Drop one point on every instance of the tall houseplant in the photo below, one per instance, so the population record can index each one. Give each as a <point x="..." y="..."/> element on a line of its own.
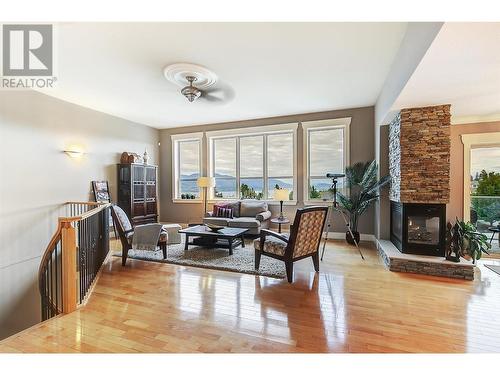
<point x="364" y="186"/>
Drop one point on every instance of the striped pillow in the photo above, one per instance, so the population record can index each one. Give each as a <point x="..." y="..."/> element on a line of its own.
<point x="223" y="211"/>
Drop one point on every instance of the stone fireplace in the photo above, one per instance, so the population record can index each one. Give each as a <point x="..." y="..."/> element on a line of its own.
<point x="419" y="165"/>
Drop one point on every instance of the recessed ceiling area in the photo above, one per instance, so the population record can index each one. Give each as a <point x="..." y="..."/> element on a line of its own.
<point x="272" y="69"/>
<point x="461" y="68"/>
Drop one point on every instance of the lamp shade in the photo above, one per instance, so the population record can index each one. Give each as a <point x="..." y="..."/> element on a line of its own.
<point x="206" y="182"/>
<point x="281" y="194"/>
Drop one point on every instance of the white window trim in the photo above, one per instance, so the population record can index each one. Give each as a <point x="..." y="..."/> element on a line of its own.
<point x="176" y="138"/>
<point x="255" y="131"/>
<point x="338" y="123"/>
<point x="471" y="141"/>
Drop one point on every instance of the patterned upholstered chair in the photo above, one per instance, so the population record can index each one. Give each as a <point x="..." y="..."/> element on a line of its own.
<point x="126" y="232"/>
<point x="303" y="241"/>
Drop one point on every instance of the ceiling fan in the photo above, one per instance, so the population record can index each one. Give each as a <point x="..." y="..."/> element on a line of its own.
<point x="198" y="83"/>
<point x="219" y="94"/>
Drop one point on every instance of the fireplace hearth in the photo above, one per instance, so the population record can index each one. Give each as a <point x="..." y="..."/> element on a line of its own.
<point x="419" y="228"/>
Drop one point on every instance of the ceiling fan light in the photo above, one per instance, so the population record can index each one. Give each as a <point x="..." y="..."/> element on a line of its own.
<point x="191" y="92"/>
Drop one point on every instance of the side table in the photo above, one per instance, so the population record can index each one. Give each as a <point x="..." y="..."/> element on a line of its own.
<point x="280" y="222"/>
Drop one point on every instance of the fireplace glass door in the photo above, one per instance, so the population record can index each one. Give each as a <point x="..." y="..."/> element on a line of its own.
<point x="423" y="230"/>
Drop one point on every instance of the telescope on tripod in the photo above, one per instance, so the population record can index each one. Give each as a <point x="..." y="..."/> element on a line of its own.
<point x="334" y="208"/>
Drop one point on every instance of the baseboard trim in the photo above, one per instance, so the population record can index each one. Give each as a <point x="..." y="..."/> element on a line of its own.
<point x="362" y="236"/>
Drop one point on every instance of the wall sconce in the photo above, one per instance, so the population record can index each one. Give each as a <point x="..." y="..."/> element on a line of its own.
<point x="74" y="152"/>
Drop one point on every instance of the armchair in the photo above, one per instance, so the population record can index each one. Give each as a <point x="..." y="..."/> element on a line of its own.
<point x="168" y="234"/>
<point x="303" y="241"/>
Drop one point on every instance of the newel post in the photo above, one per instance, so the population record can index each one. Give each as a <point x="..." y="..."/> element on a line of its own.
<point x="69" y="274"/>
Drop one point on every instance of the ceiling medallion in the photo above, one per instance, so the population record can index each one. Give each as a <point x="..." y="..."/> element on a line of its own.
<point x="179" y="73"/>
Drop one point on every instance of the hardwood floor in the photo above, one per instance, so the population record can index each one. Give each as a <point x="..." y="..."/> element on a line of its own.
<point x="350" y="306"/>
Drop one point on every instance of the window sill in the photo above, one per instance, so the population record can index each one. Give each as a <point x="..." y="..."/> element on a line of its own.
<point x="177" y="200"/>
<point x="269" y="202"/>
<point x="318" y="203"/>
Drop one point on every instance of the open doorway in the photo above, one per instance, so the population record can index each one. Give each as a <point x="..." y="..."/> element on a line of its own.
<point x="484" y="192"/>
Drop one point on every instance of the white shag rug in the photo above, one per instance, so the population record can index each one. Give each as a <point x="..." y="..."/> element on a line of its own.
<point x="241" y="261"/>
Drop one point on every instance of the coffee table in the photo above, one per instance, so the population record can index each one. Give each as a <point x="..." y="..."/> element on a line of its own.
<point x="226" y="238"/>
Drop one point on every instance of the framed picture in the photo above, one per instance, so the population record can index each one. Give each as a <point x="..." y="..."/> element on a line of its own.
<point x="101" y="191"/>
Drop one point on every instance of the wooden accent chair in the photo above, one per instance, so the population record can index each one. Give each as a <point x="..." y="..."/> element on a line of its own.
<point x="303" y="241"/>
<point x="126" y="233"/>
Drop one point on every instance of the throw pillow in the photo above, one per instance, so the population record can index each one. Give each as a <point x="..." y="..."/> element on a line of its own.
<point x="223" y="211"/>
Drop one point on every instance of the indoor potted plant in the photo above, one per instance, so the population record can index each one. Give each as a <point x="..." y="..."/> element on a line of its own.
<point x="364" y="186"/>
<point x="465" y="241"/>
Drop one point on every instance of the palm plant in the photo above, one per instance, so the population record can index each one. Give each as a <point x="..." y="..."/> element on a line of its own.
<point x="364" y="184"/>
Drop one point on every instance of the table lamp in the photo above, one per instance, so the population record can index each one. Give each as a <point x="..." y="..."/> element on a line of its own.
<point x="205" y="183"/>
<point x="281" y="195"/>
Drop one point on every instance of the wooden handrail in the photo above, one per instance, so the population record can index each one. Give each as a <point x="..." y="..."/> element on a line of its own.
<point x="63" y="250"/>
<point x="44" y="263"/>
<point x="101" y="206"/>
<point x="48" y="250"/>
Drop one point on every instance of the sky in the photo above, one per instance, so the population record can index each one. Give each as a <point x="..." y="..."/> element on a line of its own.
<point x="189" y="158"/>
<point x="280" y="156"/>
<point x="487" y="158"/>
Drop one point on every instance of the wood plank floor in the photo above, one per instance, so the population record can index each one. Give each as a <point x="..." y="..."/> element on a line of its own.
<point x="350" y="306"/>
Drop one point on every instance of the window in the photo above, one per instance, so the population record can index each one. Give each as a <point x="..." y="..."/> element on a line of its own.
<point x="225" y="168"/>
<point x="187" y="166"/>
<point x="252" y="167"/>
<point x="249" y="163"/>
<point x="326" y="151"/>
<point x="280" y="157"/>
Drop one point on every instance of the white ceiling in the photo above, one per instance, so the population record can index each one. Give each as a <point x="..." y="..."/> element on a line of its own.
<point x="274" y="68"/>
<point x="461" y="68"/>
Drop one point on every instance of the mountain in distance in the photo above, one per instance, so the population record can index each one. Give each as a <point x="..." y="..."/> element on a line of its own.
<point x="230" y="185"/>
<point x="255" y="183"/>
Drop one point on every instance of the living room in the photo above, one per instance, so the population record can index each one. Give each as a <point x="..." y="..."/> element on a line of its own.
<point x="312" y="187"/>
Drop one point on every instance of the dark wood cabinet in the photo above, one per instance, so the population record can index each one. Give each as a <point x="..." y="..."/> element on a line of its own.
<point x="137" y="192"/>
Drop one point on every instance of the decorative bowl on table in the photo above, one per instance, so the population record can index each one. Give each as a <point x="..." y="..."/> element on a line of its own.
<point x="214" y="227"/>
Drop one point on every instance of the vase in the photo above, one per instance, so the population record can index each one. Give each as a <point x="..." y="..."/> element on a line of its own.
<point x="350" y="240"/>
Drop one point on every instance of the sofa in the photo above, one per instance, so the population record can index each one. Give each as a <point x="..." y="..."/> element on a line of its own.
<point x="247" y="213"/>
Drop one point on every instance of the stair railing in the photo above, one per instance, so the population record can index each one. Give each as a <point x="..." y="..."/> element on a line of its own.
<point x="73" y="258"/>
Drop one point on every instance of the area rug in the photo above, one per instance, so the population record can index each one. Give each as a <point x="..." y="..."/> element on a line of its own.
<point x="241" y="261"/>
<point x="495" y="269"/>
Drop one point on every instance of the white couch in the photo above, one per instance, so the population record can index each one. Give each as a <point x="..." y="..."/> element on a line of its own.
<point x="247" y="213"/>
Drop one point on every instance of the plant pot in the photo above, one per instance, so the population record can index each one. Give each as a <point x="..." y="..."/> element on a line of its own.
<point x="350" y="240"/>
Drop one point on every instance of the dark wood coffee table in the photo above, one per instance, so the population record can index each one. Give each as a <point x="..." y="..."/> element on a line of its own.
<point x="226" y="238"/>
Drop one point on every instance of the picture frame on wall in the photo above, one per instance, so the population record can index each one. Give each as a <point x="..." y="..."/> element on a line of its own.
<point x="101" y="194"/>
<point x="101" y="191"/>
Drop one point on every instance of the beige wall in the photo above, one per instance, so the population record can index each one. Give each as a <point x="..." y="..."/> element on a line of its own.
<point x="361" y="148"/>
<point x="36" y="177"/>
<point x="455" y="207"/>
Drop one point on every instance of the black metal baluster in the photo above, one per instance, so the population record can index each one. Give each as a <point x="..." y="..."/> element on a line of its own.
<point x="43" y="297"/>
<point x="80" y="267"/>
<point x="82" y="225"/>
<point x="49" y="267"/>
<point x="57" y="280"/>
<point x="96" y="246"/>
<point x="86" y="255"/>
<point x="59" y="244"/>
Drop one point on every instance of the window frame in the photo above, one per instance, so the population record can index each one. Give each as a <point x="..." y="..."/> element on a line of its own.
<point x="264" y="131"/>
<point x="469" y="141"/>
<point x="311" y="126"/>
<point x="177" y="139"/>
